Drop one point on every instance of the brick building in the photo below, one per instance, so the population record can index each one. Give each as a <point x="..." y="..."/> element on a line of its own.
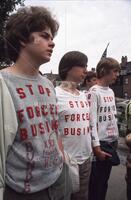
<point x="54" y="78"/>
<point x="122" y="87"/>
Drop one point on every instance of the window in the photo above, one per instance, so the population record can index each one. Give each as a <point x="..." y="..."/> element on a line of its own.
<point x="126" y="81"/>
<point x="123" y="72"/>
<point x="125" y="95"/>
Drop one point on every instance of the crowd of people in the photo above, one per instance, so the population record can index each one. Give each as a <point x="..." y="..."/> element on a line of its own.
<point x="40" y="123"/>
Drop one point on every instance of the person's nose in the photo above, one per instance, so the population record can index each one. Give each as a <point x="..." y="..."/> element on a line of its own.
<point x="85" y="72"/>
<point x="52" y="44"/>
<point x="117" y="74"/>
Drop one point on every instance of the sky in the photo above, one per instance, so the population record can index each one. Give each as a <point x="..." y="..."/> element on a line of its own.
<point x="88" y="26"/>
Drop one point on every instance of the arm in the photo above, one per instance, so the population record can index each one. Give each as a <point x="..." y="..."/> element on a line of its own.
<point x="8" y="129"/>
<point x="92" y="99"/>
<point x="60" y="144"/>
<point x="2" y="145"/>
<point x="93" y="102"/>
<point x="61" y="147"/>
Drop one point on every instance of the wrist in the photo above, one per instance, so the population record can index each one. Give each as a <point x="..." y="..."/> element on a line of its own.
<point x="96" y="149"/>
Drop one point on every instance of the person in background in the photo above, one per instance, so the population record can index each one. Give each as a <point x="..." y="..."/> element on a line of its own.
<point x="89" y="80"/>
<point x="128" y="142"/>
<point x="128" y="117"/>
<point x="74" y="118"/>
<point x="31" y="166"/>
<point x="128" y="166"/>
<point x="103" y="113"/>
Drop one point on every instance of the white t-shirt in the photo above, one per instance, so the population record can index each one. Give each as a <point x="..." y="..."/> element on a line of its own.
<point x="74" y="124"/>
<point x="103" y="112"/>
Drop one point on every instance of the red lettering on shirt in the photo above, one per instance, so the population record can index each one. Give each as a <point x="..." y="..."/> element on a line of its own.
<point x="71" y="104"/>
<point x="41" y="89"/>
<point x="23" y="133"/>
<point x="108" y="99"/>
<point x="30" y="112"/>
<point x="41" y="127"/>
<point x="48" y="91"/>
<point x="20" y="115"/>
<point x="78" y="117"/>
<point x="37" y="111"/>
<point x="54" y="124"/>
<point x="66" y="132"/>
<point x="43" y="110"/>
<point x="47" y="126"/>
<point x="72" y="117"/>
<point x="77" y="104"/>
<point x="30" y="89"/>
<point x="34" y="130"/>
<point x="21" y="93"/>
<point x="66" y="117"/>
<point x="52" y="109"/>
<point x="82" y="104"/>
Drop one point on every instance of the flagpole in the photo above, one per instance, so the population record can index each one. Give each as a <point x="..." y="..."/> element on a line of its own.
<point x="104" y="55"/>
<point x="107" y="45"/>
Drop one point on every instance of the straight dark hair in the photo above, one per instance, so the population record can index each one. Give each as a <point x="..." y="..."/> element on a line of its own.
<point x="69" y="60"/>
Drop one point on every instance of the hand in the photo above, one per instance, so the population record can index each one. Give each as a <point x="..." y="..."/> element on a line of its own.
<point x="60" y="144"/>
<point x="101" y="155"/>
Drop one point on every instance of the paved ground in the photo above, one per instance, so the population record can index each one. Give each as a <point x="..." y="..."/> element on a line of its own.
<point x="117" y="184"/>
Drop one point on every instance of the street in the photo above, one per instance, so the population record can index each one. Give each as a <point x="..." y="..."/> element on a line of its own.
<point x="117" y="184"/>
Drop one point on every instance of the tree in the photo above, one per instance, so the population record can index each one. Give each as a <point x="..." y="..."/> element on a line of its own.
<point x="6" y="7"/>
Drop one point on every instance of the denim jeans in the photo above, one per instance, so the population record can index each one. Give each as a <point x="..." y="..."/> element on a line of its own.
<point x="128" y="176"/>
<point x="100" y="174"/>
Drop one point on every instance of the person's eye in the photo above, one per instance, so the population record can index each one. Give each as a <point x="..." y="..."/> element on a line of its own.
<point x="45" y="36"/>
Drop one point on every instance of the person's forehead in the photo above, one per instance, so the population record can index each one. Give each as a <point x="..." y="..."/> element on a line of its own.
<point x="80" y="67"/>
<point x="47" y="31"/>
<point x="94" y="78"/>
<point x="115" y="70"/>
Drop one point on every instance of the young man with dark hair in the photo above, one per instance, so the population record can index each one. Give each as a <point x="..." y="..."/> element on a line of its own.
<point x="31" y="163"/>
<point x="74" y="118"/>
<point x="103" y="113"/>
<point x="89" y="80"/>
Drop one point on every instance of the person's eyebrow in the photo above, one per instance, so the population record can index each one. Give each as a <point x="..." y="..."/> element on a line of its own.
<point x="47" y="34"/>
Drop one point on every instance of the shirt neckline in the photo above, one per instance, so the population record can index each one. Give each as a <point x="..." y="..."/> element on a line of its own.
<point x="25" y="77"/>
<point x="74" y="95"/>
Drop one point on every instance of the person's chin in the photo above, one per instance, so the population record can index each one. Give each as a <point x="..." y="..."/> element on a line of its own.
<point x="79" y="81"/>
<point x="47" y="59"/>
<point x="113" y="81"/>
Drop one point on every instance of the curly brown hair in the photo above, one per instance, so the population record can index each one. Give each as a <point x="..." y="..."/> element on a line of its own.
<point x="24" y="22"/>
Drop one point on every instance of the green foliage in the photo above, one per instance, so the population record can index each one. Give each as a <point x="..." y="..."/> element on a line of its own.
<point x="122" y="124"/>
<point x="6" y="7"/>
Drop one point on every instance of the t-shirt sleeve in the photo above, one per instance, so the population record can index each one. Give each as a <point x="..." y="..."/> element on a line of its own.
<point x="58" y="106"/>
<point x="93" y="103"/>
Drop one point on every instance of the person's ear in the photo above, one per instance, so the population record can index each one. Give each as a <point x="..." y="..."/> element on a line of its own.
<point x="23" y="44"/>
<point x="87" y="82"/>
